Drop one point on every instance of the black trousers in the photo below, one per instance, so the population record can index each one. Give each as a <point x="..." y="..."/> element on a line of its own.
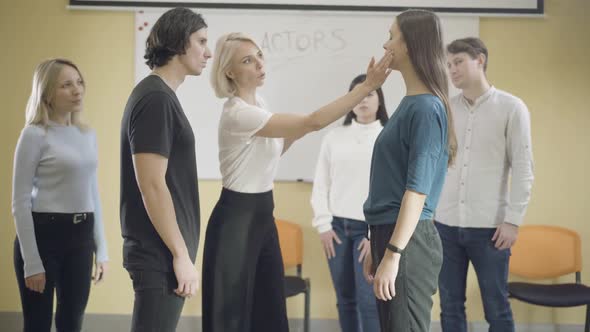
<point x="156" y="307"/>
<point x="66" y="248"/>
<point x="416" y="281"/>
<point x="243" y="276"/>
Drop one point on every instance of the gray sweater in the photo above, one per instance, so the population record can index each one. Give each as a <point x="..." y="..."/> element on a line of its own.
<point x="54" y="171"/>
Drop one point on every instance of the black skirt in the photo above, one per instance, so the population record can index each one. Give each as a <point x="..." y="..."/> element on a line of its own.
<point x="242" y="266"/>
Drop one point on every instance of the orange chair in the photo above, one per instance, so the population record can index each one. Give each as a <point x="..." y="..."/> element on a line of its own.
<point x="291" y="242"/>
<point x="543" y="252"/>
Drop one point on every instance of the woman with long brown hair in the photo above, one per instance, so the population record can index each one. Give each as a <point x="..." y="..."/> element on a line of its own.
<point x="409" y="164"/>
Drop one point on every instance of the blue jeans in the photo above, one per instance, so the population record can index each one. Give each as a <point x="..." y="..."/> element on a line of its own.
<point x="461" y="245"/>
<point x="357" y="306"/>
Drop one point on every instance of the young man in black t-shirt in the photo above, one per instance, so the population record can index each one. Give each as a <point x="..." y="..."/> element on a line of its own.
<point x="159" y="192"/>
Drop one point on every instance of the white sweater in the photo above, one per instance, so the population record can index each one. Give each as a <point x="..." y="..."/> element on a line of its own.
<point x="341" y="183"/>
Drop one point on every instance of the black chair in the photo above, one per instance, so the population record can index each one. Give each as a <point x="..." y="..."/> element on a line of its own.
<point x="543" y="252"/>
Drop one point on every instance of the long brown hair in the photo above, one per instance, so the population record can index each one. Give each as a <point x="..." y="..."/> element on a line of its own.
<point x="422" y="34"/>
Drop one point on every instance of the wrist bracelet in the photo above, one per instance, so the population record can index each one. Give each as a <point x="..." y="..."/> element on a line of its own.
<point x="394" y="249"/>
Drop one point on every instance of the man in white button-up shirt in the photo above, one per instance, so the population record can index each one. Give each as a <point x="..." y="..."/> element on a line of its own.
<point x="486" y="193"/>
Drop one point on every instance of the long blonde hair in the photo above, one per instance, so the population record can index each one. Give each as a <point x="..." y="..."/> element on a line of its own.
<point x="43" y="91"/>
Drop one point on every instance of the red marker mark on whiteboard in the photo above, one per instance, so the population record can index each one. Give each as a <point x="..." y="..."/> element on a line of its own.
<point x="145" y="24"/>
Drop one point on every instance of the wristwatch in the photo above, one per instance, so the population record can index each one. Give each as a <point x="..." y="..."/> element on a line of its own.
<point x="394" y="249"/>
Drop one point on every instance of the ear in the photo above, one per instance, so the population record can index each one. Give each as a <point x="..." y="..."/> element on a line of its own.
<point x="481" y="59"/>
<point x="230" y="75"/>
<point x="404" y="45"/>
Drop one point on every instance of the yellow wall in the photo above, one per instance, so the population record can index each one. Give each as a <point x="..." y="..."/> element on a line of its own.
<point x="541" y="60"/>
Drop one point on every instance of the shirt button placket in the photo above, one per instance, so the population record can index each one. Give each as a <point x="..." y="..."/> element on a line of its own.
<point x="466" y="155"/>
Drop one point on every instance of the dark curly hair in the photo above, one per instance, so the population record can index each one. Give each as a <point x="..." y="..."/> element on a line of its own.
<point x="171" y="35"/>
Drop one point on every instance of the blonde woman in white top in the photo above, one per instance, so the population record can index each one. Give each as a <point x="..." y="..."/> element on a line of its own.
<point x="340" y="188"/>
<point x="242" y="265"/>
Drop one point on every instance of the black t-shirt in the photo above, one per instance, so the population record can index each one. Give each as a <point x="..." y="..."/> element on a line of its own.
<point x="154" y="122"/>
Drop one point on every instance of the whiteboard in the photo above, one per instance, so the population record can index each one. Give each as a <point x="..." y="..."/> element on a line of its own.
<point x="369" y="3"/>
<point x="480" y="7"/>
<point x="311" y="57"/>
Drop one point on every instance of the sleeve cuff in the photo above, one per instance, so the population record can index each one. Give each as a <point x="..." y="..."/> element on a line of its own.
<point x="34" y="268"/>
<point x="422" y="190"/>
<point x="102" y="254"/>
<point x="102" y="258"/>
<point x="324" y="225"/>
<point x="513" y="218"/>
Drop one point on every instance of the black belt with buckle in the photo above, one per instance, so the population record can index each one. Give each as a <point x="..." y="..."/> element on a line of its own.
<point x="79" y="217"/>
<point x="75" y="218"/>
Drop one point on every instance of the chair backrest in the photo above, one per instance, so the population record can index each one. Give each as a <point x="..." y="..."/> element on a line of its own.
<point x="291" y="242"/>
<point x="543" y="252"/>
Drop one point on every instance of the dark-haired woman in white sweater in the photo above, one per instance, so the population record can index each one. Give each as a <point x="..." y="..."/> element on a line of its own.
<point x="340" y="188"/>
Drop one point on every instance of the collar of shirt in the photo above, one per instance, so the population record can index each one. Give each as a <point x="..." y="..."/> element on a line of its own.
<point x="479" y="100"/>
<point x="365" y="126"/>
